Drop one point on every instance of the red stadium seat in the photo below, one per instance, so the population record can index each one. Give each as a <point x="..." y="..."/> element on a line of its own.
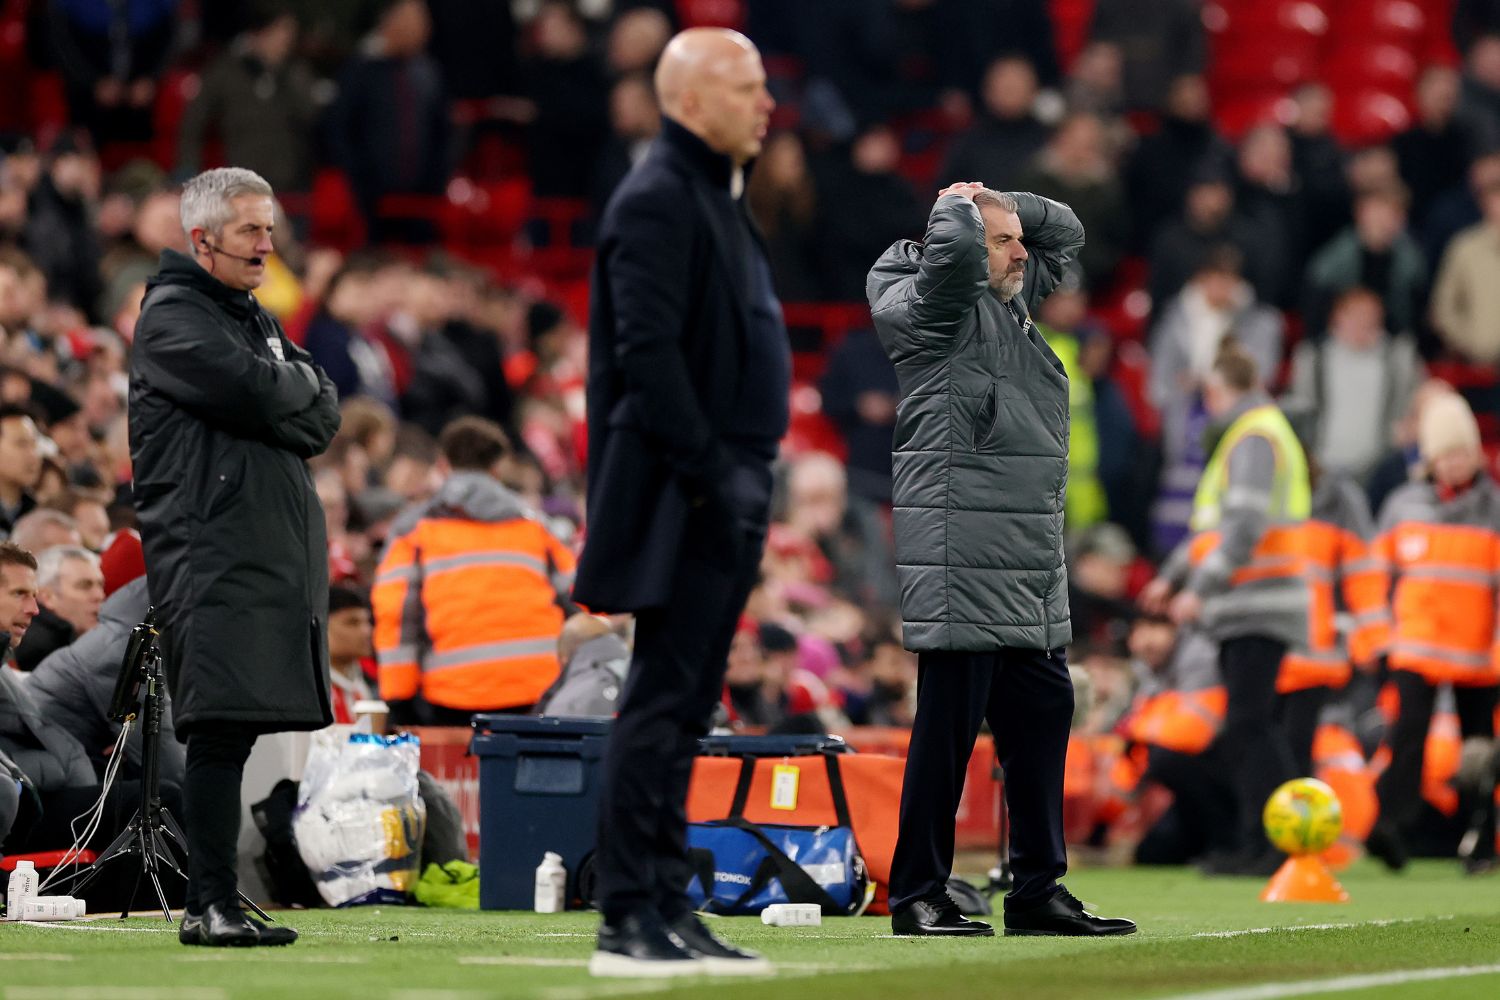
<point x="711" y="13"/>
<point x="1379" y="66"/>
<point x="1401" y="21"/>
<point x="1361" y="117"/>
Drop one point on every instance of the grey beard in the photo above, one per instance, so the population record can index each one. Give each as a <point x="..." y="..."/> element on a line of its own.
<point x="1009" y="286"/>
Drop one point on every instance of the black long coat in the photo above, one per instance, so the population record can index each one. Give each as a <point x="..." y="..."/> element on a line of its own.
<point x="667" y="329"/>
<point x="234" y="538"/>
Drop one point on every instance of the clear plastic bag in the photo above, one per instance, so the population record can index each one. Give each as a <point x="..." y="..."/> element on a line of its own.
<point x="359" y="817"/>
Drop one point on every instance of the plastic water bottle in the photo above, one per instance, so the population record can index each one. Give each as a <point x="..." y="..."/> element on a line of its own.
<point x="22" y="886"/>
<point x="551" y="884"/>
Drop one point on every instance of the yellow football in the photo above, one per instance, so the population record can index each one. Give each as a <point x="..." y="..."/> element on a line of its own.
<point x="1303" y="816"/>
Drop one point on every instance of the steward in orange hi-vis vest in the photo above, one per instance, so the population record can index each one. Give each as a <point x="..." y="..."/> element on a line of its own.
<point x="469" y="601"/>
<point x="1439" y="551"/>
<point x="1343" y="612"/>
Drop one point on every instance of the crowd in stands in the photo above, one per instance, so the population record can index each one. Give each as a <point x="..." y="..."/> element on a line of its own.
<point x="440" y="164"/>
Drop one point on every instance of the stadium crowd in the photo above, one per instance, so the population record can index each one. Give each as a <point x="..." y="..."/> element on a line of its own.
<point x="440" y="164"/>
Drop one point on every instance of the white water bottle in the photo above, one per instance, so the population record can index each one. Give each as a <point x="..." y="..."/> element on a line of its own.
<point x="551" y="884"/>
<point x="22" y="886"/>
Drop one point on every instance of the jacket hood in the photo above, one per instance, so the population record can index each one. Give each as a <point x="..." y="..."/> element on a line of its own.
<point x="902" y="260"/>
<point x="128" y="605"/>
<point x="473" y="496"/>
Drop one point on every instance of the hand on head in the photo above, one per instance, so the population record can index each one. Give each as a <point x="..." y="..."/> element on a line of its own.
<point x="966" y="188"/>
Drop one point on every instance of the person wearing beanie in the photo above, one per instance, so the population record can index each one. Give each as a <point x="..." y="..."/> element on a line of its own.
<point x="1435" y="549"/>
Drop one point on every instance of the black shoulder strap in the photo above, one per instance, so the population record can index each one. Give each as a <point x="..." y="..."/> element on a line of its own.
<point x="742" y="788"/>
<point x="836" y="790"/>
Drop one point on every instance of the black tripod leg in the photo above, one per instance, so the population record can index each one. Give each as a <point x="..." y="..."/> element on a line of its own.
<point x="171" y="829"/>
<point x="117" y="847"/>
<point x="150" y="855"/>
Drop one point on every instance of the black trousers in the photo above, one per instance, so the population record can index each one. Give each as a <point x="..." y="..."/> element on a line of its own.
<point x="1399" y="787"/>
<point x="1298" y="712"/>
<point x="1027" y="698"/>
<point x="1253" y="741"/>
<point x="676" y="679"/>
<point x="216" y="755"/>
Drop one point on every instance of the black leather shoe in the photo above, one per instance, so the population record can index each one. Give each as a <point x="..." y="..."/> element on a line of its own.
<point x="224" y="925"/>
<point x="641" y="946"/>
<point x="1063" y="915"/>
<point x="937" y="917"/>
<point x="719" y="957"/>
<point x="1385" y="843"/>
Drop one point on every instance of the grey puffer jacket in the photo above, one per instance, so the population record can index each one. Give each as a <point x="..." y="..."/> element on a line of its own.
<point x="980" y="455"/>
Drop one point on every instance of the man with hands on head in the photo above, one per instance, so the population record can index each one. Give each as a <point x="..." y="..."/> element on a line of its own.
<point x="980" y="464"/>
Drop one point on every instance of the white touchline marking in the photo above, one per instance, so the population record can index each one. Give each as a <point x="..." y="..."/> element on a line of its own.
<point x="1318" y="927"/>
<point x="561" y="963"/>
<point x="564" y="935"/>
<point x="61" y="926"/>
<point x="35" y="957"/>
<point x="113" y="991"/>
<point x="1342" y="984"/>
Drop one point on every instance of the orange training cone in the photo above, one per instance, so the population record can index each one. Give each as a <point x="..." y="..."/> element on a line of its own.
<point x="1303" y="879"/>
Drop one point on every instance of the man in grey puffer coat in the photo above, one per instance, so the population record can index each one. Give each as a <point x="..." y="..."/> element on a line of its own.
<point x="980" y="463"/>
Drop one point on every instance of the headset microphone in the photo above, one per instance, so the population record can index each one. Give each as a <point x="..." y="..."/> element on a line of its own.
<point x="255" y="261"/>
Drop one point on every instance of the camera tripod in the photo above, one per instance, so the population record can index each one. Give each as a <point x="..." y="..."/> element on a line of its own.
<point x="152" y="832"/>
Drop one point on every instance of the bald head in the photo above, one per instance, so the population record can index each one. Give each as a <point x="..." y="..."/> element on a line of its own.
<point x="711" y="82"/>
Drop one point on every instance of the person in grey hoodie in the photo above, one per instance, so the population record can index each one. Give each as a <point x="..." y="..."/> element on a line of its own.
<point x="980" y="463"/>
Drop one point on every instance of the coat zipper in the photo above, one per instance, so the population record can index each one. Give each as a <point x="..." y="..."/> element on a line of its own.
<point x="984" y="428"/>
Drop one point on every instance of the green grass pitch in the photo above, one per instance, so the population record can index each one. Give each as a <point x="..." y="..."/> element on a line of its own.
<point x="1429" y="933"/>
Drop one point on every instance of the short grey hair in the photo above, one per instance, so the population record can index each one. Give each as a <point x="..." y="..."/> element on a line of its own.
<point x="997" y="199"/>
<point x="50" y="563"/>
<point x="206" y="198"/>
<point x="30" y="531"/>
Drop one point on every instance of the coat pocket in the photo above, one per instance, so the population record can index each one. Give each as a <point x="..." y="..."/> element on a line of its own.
<point x="986" y="418"/>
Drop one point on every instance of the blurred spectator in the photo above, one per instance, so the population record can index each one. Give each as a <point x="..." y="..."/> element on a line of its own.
<point x="350" y="647"/>
<point x="70" y="590"/>
<point x="470" y="595"/>
<point x="339" y="340"/>
<point x="1459" y="208"/>
<point x="156" y="226"/>
<point x="880" y="690"/>
<point x="390" y="128"/>
<point x="864" y="206"/>
<point x="1077" y="168"/>
<point x="564" y="79"/>
<point x="1269" y="193"/>
<point x="457" y="369"/>
<point x="20" y="465"/>
<point x="784" y="201"/>
<point x="849" y="531"/>
<point x="1208" y="221"/>
<point x="1434" y="153"/>
<point x="799" y="696"/>
<point x="859" y="395"/>
<point x="111" y="55"/>
<point x="91" y="516"/>
<point x="1166" y="161"/>
<point x="1479" y="98"/>
<point x="1062" y="316"/>
<point x="745" y="679"/>
<point x="1099" y="568"/>
<point x="1403" y="457"/>
<point x="1318" y="163"/>
<point x="634" y="121"/>
<point x="970" y="33"/>
<point x="1215" y="305"/>
<point x="1159" y="40"/>
<point x="1466" y="294"/>
<point x="45" y="528"/>
<point x="636" y="40"/>
<point x="1375" y="253"/>
<point x="1348" y="390"/>
<point x="260" y="102"/>
<point x="999" y="146"/>
<point x="60" y="233"/>
<point x="475" y="43"/>
<point x="1096" y="84"/>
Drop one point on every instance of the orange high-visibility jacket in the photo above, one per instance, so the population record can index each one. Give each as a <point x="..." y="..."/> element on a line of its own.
<point x="1186" y="711"/>
<point x="1436" y="563"/>
<point x="1341" y="575"/>
<point x="469" y="600"/>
